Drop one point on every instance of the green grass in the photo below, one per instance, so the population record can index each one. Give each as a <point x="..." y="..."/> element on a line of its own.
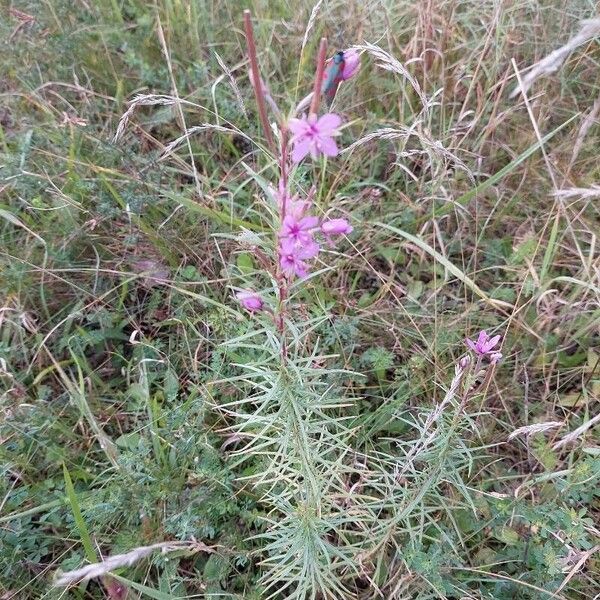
<point x="131" y="380"/>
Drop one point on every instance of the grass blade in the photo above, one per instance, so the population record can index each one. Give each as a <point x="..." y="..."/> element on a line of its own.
<point x="448" y="265"/>
<point x="84" y="534"/>
<point x="511" y="166"/>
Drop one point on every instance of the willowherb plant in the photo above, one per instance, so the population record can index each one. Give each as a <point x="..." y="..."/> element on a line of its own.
<point x="292" y="423"/>
<point x="332" y="511"/>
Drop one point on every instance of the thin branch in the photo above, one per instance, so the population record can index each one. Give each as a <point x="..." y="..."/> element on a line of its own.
<point x="256" y="80"/>
<point x="314" y="105"/>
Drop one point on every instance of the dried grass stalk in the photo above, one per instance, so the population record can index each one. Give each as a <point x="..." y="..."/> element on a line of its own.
<point x="571" y="437"/>
<point x="125" y="560"/>
<point x="529" y="430"/>
<point x="232" y="81"/>
<point x="311" y="22"/>
<point x="429" y="434"/>
<point x="592" y="192"/>
<point x="588" y="121"/>
<point x="389" y="63"/>
<point x="590" y="28"/>
<point x="141" y="100"/>
<point x="171" y="146"/>
<point x="430" y="146"/>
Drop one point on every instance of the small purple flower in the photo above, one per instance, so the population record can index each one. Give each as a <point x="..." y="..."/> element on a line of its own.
<point x="464" y="362"/>
<point x="298" y="230"/>
<point x="293" y="205"/>
<point x="351" y="63"/>
<point x="484" y="344"/>
<point x="292" y="257"/>
<point x="250" y="300"/>
<point x="495" y="357"/>
<point x="314" y="136"/>
<point x="336" y="227"/>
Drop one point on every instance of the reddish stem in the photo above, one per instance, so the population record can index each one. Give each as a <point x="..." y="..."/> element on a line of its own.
<point x="321" y="57"/>
<point x="256" y="80"/>
<point x="282" y="280"/>
<point x="283" y="170"/>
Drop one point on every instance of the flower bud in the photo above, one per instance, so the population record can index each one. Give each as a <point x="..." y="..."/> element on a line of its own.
<point x="495" y="357"/>
<point x="336" y="227"/>
<point x="464" y="362"/>
<point x="251" y="301"/>
<point x="351" y="63"/>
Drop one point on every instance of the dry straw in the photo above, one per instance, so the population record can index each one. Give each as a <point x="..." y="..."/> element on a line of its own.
<point x="171" y="146"/>
<point x="590" y="28"/>
<point x="386" y="61"/>
<point x="125" y="560"/>
<point x="529" y="430"/>
<point x="143" y="100"/>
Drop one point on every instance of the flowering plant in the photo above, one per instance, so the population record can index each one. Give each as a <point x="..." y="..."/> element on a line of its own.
<point x="290" y="421"/>
<point x="298" y="233"/>
<point x="290" y="416"/>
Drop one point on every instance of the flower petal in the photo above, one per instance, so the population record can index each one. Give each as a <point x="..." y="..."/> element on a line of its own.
<point x="301" y="149"/>
<point x="308" y="251"/>
<point x="298" y="126"/>
<point x="301" y="269"/>
<point x="328" y="123"/>
<point x="336" y="227"/>
<point x="287" y="246"/>
<point x="328" y="146"/>
<point x="491" y="343"/>
<point x="308" y="223"/>
<point x="471" y="344"/>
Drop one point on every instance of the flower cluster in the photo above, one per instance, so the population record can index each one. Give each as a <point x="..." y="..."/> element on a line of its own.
<point x="297" y="242"/>
<point x="301" y="234"/>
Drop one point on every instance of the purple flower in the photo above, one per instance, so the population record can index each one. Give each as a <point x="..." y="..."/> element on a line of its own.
<point x="251" y="301"/>
<point x="464" y="362"/>
<point x="484" y="344"/>
<point x="351" y="64"/>
<point x="298" y="230"/>
<point x="292" y="257"/>
<point x="296" y="208"/>
<point x="495" y="357"/>
<point x="336" y="227"/>
<point x="293" y="206"/>
<point x="314" y="136"/>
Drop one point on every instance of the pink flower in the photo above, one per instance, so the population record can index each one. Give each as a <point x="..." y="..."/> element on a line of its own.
<point x="495" y="357"/>
<point x="484" y="344"/>
<point x="336" y="227"/>
<point x="351" y="64"/>
<point x="251" y="301"/>
<point x="314" y="136"/>
<point x="298" y="230"/>
<point x="296" y="208"/>
<point x="293" y="206"/>
<point x="292" y="257"/>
